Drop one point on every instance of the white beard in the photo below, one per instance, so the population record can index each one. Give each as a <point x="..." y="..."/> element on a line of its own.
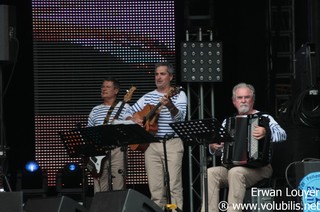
<point x="243" y="109"/>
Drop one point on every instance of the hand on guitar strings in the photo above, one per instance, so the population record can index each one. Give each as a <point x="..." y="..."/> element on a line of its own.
<point x="166" y="101"/>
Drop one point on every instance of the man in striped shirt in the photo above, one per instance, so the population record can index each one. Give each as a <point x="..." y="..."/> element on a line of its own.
<point x="104" y="114"/>
<point x="238" y="178"/>
<point x="172" y="107"/>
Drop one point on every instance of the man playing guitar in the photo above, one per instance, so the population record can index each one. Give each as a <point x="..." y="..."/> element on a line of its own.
<point x="105" y="113"/>
<point x="172" y="108"/>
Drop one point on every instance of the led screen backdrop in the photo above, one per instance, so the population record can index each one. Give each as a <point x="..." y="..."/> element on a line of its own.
<point x="77" y="43"/>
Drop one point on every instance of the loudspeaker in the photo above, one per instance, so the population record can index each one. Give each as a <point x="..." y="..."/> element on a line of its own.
<point x="53" y="204"/>
<point x="7" y="32"/>
<point x="302" y="169"/>
<point x="11" y="201"/>
<point x="122" y="201"/>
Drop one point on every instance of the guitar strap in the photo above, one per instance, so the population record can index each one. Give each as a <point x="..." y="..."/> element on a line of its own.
<point x="106" y="119"/>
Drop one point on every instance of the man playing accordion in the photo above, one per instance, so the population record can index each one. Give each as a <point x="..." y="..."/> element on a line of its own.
<point x="238" y="175"/>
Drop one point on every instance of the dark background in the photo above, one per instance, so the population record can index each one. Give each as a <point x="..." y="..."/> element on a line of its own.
<point x="17" y="83"/>
<point x="240" y="25"/>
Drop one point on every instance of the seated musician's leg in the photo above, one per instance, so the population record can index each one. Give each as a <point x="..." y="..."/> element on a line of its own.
<point x="217" y="178"/>
<point x="241" y="178"/>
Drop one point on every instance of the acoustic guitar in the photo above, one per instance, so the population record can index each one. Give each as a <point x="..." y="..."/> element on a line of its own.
<point x="150" y="115"/>
<point x="95" y="163"/>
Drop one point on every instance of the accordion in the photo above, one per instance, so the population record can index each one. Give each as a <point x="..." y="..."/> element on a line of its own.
<point x="244" y="149"/>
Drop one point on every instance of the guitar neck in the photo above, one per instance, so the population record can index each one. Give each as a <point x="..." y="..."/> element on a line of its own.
<point x="127" y="98"/>
<point x="151" y="113"/>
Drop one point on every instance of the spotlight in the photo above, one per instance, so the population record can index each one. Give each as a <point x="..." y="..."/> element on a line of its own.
<point x="201" y="61"/>
<point x="31" y="166"/>
<point x="69" y="177"/>
<point x="71" y="181"/>
<point x="32" y="180"/>
<point x="72" y="167"/>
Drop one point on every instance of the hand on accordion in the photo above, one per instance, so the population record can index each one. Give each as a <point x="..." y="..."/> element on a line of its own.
<point x="216" y="146"/>
<point x="259" y="132"/>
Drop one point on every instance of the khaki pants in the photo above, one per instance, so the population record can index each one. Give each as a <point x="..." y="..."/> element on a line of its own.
<point x="117" y="166"/>
<point x="237" y="179"/>
<point x="154" y="161"/>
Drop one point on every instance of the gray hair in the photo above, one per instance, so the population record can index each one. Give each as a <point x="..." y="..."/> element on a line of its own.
<point x="243" y="85"/>
<point x="169" y="66"/>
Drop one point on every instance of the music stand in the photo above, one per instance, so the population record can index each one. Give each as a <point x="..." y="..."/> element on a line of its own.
<point x="201" y="132"/>
<point x="94" y="141"/>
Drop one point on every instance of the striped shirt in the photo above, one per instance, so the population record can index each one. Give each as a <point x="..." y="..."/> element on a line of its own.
<point x="99" y="113"/>
<point x="165" y="117"/>
<point x="278" y="134"/>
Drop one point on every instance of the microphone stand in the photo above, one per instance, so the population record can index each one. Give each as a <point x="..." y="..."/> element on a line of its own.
<point x="110" y="172"/>
<point x="124" y="149"/>
<point x="201" y="132"/>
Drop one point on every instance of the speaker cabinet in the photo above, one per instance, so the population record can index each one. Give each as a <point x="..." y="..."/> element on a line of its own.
<point x="53" y="204"/>
<point x="11" y="201"/>
<point x="7" y="32"/>
<point x="122" y="201"/>
<point x="302" y="169"/>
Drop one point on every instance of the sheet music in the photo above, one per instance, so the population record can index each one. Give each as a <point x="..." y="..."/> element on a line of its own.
<point x="116" y="121"/>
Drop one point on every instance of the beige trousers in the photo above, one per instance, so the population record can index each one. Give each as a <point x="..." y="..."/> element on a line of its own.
<point x="155" y="164"/>
<point x="237" y="179"/>
<point x="117" y="166"/>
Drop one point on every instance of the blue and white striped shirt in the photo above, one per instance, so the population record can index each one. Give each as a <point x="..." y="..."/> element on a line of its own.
<point x="278" y="134"/>
<point x="165" y="117"/>
<point x="99" y="113"/>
